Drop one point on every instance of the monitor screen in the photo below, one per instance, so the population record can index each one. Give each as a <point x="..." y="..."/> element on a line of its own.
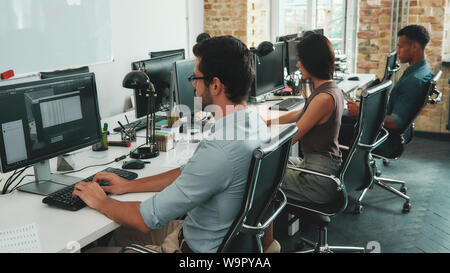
<point x="159" y="70"/>
<point x="269" y="72"/>
<point x="42" y="119"/>
<point x="167" y="52"/>
<point x="184" y="91"/>
<point x="291" y="56"/>
<point x="287" y="37"/>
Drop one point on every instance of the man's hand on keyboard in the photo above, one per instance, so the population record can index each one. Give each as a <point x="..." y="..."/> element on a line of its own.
<point x="91" y="193"/>
<point x="116" y="185"/>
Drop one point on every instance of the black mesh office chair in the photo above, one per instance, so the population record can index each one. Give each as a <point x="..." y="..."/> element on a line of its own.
<point x="391" y="67"/>
<point x="262" y="194"/>
<point x="356" y="172"/>
<point x="430" y="95"/>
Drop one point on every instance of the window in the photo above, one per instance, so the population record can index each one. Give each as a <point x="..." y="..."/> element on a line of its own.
<point x="336" y="17"/>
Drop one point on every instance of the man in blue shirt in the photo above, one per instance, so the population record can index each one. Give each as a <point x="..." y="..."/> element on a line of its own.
<point x="405" y="97"/>
<point x="209" y="189"/>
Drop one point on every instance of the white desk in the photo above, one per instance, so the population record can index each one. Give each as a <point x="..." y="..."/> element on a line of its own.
<point x="349" y="86"/>
<point x="60" y="230"/>
<point x="57" y="228"/>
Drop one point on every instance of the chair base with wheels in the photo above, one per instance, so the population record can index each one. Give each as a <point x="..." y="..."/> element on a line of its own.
<point x="321" y="220"/>
<point x="382" y="182"/>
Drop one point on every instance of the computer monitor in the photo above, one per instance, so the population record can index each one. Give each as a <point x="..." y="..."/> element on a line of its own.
<point x="62" y="73"/>
<point x="306" y="32"/>
<point x="40" y="120"/>
<point x="159" y="70"/>
<point x="291" y="56"/>
<point x="156" y="54"/>
<point x="269" y="73"/>
<point x="184" y="91"/>
<point x="287" y="37"/>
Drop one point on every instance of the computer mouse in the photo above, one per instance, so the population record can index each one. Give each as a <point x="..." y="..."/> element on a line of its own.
<point x="134" y="164"/>
<point x="354" y="78"/>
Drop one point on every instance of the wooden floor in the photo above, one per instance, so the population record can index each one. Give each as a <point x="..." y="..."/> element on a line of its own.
<point x="425" y="166"/>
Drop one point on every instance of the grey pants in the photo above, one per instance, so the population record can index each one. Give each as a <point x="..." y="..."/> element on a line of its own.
<point x="309" y="188"/>
<point x="164" y="240"/>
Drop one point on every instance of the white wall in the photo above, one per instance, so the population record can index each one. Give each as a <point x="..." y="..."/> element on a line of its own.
<point x="138" y="27"/>
<point x="196" y="25"/>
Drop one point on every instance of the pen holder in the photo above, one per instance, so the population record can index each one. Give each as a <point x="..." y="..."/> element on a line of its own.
<point x="102" y="145"/>
<point x="128" y="135"/>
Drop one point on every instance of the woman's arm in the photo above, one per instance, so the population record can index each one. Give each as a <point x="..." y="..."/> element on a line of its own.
<point x="290" y="117"/>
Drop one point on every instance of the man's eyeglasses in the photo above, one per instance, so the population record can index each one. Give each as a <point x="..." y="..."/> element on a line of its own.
<point x="193" y="78"/>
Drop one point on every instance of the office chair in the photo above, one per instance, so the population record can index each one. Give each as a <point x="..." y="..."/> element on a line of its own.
<point x="392" y="66"/>
<point x="430" y="95"/>
<point x="356" y="172"/>
<point x="262" y="195"/>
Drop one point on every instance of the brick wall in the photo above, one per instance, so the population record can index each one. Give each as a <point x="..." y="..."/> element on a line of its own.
<point x="373" y="45"/>
<point x="227" y="17"/>
<point x="258" y="16"/>
<point x="244" y="19"/>
<point x="247" y="20"/>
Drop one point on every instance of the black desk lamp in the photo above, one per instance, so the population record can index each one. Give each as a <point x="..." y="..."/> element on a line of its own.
<point x="263" y="49"/>
<point x="140" y="81"/>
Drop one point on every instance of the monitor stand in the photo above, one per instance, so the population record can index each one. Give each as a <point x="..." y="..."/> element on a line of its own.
<point x="46" y="182"/>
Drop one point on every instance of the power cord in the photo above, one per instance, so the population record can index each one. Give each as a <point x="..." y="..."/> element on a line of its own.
<point x="13" y="178"/>
<point x="99" y="165"/>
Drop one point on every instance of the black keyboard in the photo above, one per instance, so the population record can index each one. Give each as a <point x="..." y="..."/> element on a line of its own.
<point x="63" y="198"/>
<point x="140" y="124"/>
<point x="287" y="104"/>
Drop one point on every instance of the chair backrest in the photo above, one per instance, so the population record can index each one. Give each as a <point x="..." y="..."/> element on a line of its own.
<point x="392" y="66"/>
<point x="66" y="72"/>
<point x="429" y="95"/>
<point x="356" y="172"/>
<point x="265" y="175"/>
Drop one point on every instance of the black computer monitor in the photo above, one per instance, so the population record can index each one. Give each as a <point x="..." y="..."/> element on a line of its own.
<point x="62" y="73"/>
<point x="291" y="56"/>
<point x="42" y="119"/>
<point x="184" y="91"/>
<point x="287" y="37"/>
<point x="306" y="32"/>
<point x="157" y="54"/>
<point x="269" y="72"/>
<point x="159" y="70"/>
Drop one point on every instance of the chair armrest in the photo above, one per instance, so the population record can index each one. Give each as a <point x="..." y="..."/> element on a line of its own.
<point x="332" y="177"/>
<point x="343" y="147"/>
<point x="395" y="69"/>
<point x="376" y="144"/>
<point x="261" y="227"/>
<point x="138" y="249"/>
<point x="437" y="98"/>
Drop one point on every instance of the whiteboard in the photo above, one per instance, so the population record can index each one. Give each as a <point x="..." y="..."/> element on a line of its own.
<point x="47" y="35"/>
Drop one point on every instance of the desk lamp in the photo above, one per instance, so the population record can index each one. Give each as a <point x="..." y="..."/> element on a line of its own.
<point x="140" y="81"/>
<point x="263" y="49"/>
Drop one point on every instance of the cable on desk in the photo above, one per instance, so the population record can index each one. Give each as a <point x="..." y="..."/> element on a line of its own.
<point x="99" y="165"/>
<point x="12" y="178"/>
<point x="18" y="184"/>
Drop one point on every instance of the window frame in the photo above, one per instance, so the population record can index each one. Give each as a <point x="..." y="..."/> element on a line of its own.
<point x="350" y="29"/>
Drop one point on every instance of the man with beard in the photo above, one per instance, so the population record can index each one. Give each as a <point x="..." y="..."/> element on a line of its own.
<point x="209" y="188"/>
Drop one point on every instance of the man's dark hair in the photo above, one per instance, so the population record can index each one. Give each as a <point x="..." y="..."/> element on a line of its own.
<point x="415" y="33"/>
<point x="228" y="59"/>
<point x="202" y="36"/>
<point x="316" y="54"/>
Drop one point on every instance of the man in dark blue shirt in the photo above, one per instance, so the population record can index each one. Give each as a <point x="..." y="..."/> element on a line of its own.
<point x="405" y="97"/>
